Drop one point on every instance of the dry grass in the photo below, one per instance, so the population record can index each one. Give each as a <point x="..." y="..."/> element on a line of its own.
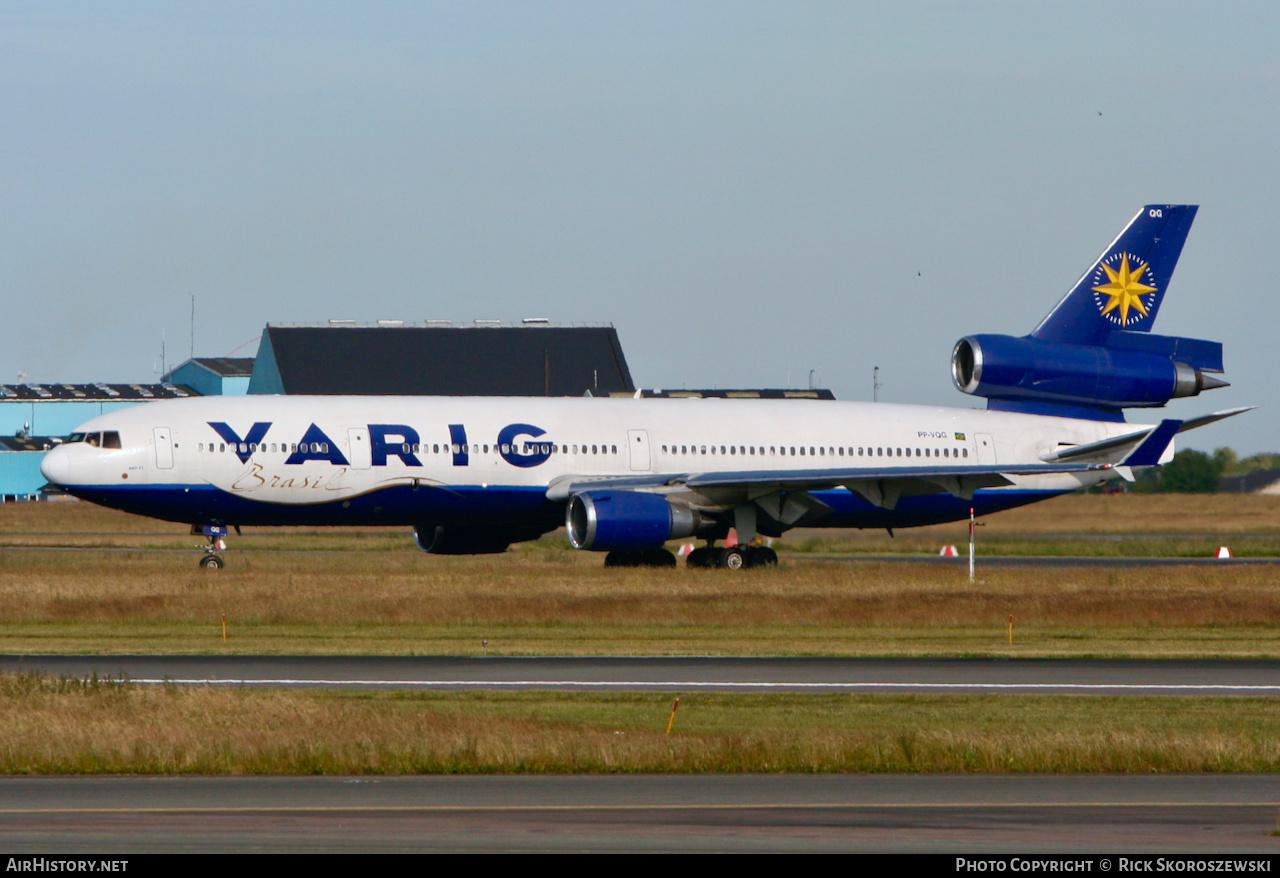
<point x="1142" y="513"/>
<point x="563" y="602"/>
<point x="60" y="726"/>
<point x="369" y="591"/>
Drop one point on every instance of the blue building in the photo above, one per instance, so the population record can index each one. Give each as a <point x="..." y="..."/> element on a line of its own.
<point x="213" y="376"/>
<point x="35" y="417"/>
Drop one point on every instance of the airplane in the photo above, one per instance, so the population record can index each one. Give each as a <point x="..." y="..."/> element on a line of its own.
<point x="624" y="476"/>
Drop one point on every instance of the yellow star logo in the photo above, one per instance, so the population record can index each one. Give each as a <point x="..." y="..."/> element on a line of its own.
<point x="1125" y="289"/>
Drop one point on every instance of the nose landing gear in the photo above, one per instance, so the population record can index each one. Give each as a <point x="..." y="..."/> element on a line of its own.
<point x="211" y="560"/>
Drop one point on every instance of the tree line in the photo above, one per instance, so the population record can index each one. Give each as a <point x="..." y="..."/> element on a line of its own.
<point x="1196" y="472"/>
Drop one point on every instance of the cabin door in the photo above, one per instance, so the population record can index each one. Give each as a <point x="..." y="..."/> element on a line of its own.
<point x="164" y="448"/>
<point x="986" y="448"/>
<point x="361" y="453"/>
<point x="638" y="442"/>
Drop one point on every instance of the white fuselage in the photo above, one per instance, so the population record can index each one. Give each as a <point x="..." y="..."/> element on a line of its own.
<point x="278" y="459"/>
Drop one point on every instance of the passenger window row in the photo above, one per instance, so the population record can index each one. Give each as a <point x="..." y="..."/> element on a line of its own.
<point x="272" y="447"/>
<point x="817" y="451"/>
<point x="406" y="448"/>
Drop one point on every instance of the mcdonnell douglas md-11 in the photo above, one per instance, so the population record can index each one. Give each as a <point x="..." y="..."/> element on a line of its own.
<point x="473" y="475"/>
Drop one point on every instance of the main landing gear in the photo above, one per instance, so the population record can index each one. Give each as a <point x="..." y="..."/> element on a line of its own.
<point x="212" y="560"/>
<point x="639" y="558"/>
<point x="733" y="558"/>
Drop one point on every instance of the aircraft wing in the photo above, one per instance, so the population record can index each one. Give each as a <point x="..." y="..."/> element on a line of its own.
<point x="880" y="485"/>
<point x="883" y="486"/>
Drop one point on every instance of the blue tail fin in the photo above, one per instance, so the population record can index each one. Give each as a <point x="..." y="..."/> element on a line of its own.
<point x="1124" y="287"/>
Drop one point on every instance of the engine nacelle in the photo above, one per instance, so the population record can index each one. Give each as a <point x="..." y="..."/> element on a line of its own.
<point x="1002" y="367"/>
<point x="606" y="520"/>
<point x="438" y="540"/>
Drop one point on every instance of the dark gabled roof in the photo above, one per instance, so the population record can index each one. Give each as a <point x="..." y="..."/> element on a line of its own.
<point x="227" y="367"/>
<point x="105" y="392"/>
<point x="27" y="443"/>
<point x="1250" y="482"/>
<point x="486" y="360"/>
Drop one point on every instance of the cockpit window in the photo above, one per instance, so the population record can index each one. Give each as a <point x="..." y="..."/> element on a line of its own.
<point x="108" y="439"/>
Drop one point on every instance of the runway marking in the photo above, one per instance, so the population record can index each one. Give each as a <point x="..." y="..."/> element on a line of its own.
<point x="711" y="806"/>
<point x="690" y="685"/>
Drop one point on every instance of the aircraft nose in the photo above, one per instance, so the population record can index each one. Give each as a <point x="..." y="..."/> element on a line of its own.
<point x="56" y="467"/>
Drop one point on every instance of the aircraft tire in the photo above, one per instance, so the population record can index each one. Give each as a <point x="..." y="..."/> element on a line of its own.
<point x="212" y="562"/>
<point x="640" y="558"/>
<point x="763" y="556"/>
<point x="621" y="558"/>
<point x="702" y="558"/>
<point x="659" y="558"/>
<point x="734" y="559"/>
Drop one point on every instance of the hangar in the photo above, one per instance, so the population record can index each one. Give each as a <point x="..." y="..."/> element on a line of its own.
<point x="436" y="358"/>
<point x="213" y="376"/>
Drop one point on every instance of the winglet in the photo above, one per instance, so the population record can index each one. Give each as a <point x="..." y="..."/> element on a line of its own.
<point x="1148" y="453"/>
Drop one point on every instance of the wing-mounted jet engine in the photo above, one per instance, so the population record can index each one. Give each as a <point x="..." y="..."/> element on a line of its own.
<point x="1094" y="355"/>
<point x="633" y="525"/>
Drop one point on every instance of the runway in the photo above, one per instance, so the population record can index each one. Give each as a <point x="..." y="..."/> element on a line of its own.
<point x="1164" y="814"/>
<point x="1198" y="677"/>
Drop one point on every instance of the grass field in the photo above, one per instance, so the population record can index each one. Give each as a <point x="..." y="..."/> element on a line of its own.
<point x="125" y="584"/>
<point x="71" y="727"/>
<point x="370" y="591"/>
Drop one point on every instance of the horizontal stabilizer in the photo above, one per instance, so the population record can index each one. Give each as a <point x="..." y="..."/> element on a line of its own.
<point x="1095" y="449"/>
<point x="1202" y="420"/>
<point x="1116" y="443"/>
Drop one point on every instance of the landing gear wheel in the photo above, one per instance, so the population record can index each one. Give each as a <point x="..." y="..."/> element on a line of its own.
<point x="659" y="558"/>
<point x="702" y="558"/>
<point x="640" y="558"/>
<point x="620" y="558"/>
<point x="212" y="562"/>
<point x="734" y="559"/>
<point x="762" y="556"/>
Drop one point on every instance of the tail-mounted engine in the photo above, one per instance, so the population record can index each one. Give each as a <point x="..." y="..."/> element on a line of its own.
<point x="1129" y="370"/>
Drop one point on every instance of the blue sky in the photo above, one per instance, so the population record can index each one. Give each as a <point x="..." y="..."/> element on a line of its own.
<point x="746" y="190"/>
